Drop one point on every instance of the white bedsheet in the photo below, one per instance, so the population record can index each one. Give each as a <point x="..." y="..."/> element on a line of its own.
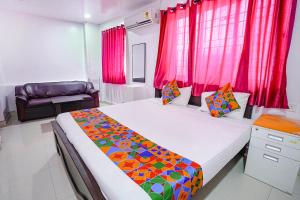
<point x="211" y="142"/>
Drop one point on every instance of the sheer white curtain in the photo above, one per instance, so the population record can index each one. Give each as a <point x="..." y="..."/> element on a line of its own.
<point x="116" y="94"/>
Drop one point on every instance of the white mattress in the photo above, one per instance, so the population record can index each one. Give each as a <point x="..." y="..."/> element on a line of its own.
<point x="211" y="142"/>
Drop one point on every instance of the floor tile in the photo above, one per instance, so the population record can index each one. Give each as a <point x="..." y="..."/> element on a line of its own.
<point x="62" y="186"/>
<point x="5" y="196"/>
<point x="297" y="186"/>
<point x="46" y="127"/>
<point x="70" y="197"/>
<point x="22" y="160"/>
<point x="4" y="188"/>
<point x="233" y="184"/>
<point x="38" y="187"/>
<point x="103" y="103"/>
<point x="279" y="195"/>
<point x="52" y="156"/>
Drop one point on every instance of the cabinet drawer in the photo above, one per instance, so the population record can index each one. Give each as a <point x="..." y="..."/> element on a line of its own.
<point x="272" y="169"/>
<point x="275" y="148"/>
<point x="276" y="137"/>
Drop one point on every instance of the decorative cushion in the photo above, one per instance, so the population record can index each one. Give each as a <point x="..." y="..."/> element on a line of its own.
<point x="217" y="105"/>
<point x="169" y="92"/>
<point x="203" y="106"/>
<point x="229" y="97"/>
<point x="222" y="101"/>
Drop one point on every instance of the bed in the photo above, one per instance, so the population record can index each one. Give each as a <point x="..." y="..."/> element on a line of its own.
<point x="211" y="142"/>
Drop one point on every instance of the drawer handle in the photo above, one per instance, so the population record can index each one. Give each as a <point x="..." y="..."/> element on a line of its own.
<point x="274" y="137"/>
<point x="272" y="158"/>
<point x="273" y="148"/>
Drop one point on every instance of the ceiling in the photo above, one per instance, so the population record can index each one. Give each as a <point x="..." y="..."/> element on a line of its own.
<point x="74" y="10"/>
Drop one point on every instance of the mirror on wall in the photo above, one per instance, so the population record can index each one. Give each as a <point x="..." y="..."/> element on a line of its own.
<point x="138" y="62"/>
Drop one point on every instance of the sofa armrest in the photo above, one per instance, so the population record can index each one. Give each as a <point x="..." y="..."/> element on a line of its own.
<point x="21" y="103"/>
<point x="95" y="94"/>
<point x="92" y="91"/>
<point x="22" y="99"/>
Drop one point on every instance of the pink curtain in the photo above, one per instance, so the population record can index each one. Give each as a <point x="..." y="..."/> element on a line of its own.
<point x="269" y="38"/>
<point x="173" y="54"/>
<point x="217" y="43"/>
<point x="113" y="55"/>
<point x="244" y="42"/>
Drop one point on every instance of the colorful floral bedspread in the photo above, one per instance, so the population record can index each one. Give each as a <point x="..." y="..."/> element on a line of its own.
<point x="161" y="173"/>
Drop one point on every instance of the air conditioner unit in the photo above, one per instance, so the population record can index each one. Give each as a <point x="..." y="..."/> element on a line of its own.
<point x="141" y="19"/>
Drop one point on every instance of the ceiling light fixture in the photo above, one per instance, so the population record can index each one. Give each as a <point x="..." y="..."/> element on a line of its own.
<point x="87" y="16"/>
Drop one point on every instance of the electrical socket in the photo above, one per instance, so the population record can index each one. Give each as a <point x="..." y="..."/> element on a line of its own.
<point x="292" y="107"/>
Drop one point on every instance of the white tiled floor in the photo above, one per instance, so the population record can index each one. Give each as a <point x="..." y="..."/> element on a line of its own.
<point x="31" y="169"/>
<point x="29" y="165"/>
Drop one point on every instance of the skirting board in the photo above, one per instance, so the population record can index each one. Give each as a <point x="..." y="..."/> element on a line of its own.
<point x="4" y="123"/>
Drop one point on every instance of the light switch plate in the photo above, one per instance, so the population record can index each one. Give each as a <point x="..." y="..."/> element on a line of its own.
<point x="292" y="107"/>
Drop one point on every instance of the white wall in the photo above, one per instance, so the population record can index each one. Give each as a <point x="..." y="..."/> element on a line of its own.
<point x="293" y="67"/>
<point x="35" y="49"/>
<point x="93" y="53"/>
<point x="2" y="108"/>
<point x="148" y="35"/>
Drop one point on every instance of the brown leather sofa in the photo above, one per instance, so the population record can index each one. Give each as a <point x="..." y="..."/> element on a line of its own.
<point x="35" y="100"/>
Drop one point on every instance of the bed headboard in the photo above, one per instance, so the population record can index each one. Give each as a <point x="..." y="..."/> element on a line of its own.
<point x="196" y="101"/>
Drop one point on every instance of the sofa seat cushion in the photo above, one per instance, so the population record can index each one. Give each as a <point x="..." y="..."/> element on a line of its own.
<point x="45" y="101"/>
<point x="84" y="96"/>
<point x="39" y="102"/>
<point x="67" y="98"/>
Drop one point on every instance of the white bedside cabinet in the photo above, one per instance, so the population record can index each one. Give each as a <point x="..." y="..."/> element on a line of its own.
<point x="274" y="152"/>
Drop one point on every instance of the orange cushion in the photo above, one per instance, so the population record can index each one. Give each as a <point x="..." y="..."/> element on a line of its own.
<point x="229" y="97"/>
<point x="169" y="92"/>
<point x="222" y="101"/>
<point x="217" y="104"/>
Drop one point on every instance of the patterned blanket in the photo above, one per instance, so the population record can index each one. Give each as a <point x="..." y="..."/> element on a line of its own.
<point x="161" y="173"/>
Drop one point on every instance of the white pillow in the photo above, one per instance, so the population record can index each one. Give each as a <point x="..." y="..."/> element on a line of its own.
<point x="203" y="106"/>
<point x="184" y="97"/>
<point x="242" y="99"/>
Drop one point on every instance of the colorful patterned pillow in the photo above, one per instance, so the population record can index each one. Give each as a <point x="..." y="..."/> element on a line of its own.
<point x="217" y="105"/>
<point x="229" y="97"/>
<point x="222" y="101"/>
<point x="169" y="92"/>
